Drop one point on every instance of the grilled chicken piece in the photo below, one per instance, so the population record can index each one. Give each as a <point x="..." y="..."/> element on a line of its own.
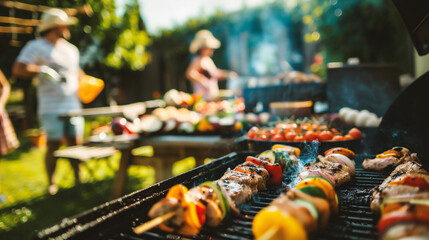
<point x="254" y="181"/>
<point x="237" y="192"/>
<point x="321" y="205"/>
<point x="253" y="168"/>
<point x="407" y="230"/>
<point x="411" y="167"/>
<point x="299" y="212"/>
<point x="207" y="196"/>
<point x="396" y="190"/>
<point x="406" y="168"/>
<point x="338" y="158"/>
<point x="388" y="160"/>
<point x="335" y="173"/>
<point x="167" y="205"/>
<point x="213" y="214"/>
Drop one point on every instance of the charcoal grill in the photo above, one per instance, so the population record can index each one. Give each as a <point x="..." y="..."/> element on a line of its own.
<point x="116" y="219"/>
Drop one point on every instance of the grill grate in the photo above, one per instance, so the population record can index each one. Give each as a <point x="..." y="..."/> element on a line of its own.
<point x="355" y="220"/>
<point x="114" y="220"/>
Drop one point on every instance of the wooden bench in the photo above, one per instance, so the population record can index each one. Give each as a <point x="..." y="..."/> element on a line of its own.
<point x="84" y="154"/>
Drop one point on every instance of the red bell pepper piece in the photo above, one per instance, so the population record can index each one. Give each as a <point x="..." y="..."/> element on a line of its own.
<point x="243" y="171"/>
<point x="274" y="169"/>
<point x="201" y="212"/>
<point x="415" y="181"/>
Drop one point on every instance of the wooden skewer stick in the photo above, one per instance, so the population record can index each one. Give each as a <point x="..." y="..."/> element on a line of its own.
<point x="270" y="233"/>
<point x="153" y="223"/>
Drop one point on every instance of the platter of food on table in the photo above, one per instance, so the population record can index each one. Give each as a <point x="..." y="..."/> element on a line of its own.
<point x="301" y="133"/>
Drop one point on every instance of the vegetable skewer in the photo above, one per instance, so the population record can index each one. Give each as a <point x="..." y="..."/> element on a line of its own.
<point x="211" y="202"/>
<point x="307" y="208"/>
<point x="402" y="200"/>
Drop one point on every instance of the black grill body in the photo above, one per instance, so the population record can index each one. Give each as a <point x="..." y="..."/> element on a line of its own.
<point x="116" y="219"/>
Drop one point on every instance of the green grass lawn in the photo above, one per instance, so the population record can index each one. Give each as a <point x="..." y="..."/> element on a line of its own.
<point x="25" y="206"/>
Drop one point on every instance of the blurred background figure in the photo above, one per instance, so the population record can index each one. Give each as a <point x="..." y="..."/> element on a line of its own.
<point x="55" y="62"/>
<point x="8" y="140"/>
<point x="202" y="71"/>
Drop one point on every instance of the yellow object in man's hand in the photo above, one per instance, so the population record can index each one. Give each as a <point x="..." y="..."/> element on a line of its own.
<point x="89" y="88"/>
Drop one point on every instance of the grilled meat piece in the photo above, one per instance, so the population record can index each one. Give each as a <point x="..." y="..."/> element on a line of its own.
<point x="254" y="181"/>
<point x="213" y="213"/>
<point x="335" y="173"/>
<point x="251" y="167"/>
<point x="388" y="160"/>
<point x="381" y="164"/>
<point x="200" y="193"/>
<point x="237" y="192"/>
<point x="410" y="167"/>
<point x="407" y="230"/>
<point x="405" y="168"/>
<point x="396" y="190"/>
<point x="321" y="205"/>
<point x="299" y="212"/>
<point x="207" y="196"/>
<point x="341" y="159"/>
<point x="167" y="205"/>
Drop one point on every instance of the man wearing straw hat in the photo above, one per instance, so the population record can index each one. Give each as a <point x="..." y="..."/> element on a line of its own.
<point x="55" y="63"/>
<point x="202" y="71"/>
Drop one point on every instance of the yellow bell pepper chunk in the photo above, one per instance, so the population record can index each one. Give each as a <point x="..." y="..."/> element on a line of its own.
<point x="271" y="223"/>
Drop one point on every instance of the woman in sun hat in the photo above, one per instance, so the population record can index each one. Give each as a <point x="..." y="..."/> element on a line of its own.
<point x="202" y="71"/>
<point x="55" y="63"/>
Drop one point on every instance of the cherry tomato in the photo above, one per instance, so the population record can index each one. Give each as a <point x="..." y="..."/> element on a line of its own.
<point x="338" y="138"/>
<point x="277" y="130"/>
<point x="290" y="136"/>
<point x="299" y="138"/>
<point x="279" y="137"/>
<point x="282" y="125"/>
<point x="355" y="133"/>
<point x="264" y="134"/>
<point x="325" y="135"/>
<point x="348" y="137"/>
<point x="306" y="126"/>
<point x="310" y="135"/>
<point x="315" y="126"/>
<point x="252" y="133"/>
<point x="323" y="127"/>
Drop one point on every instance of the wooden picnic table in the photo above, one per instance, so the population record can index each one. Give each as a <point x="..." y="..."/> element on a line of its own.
<point x="167" y="149"/>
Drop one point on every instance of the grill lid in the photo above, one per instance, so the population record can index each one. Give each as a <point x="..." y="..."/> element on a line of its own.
<point x="406" y="123"/>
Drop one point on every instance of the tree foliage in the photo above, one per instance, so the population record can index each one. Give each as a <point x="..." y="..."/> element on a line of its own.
<point x="371" y="30"/>
<point x="99" y="37"/>
<point x="130" y="48"/>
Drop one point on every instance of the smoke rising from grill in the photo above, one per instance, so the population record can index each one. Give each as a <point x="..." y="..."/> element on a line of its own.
<point x="308" y="155"/>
